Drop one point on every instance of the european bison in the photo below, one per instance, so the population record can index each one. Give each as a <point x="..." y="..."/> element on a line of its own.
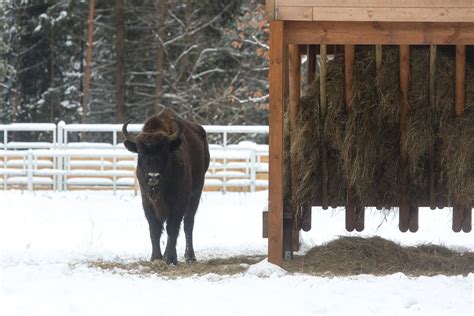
<point x="173" y="157"/>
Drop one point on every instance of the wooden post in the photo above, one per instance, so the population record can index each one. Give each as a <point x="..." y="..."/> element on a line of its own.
<point x="311" y="55"/>
<point x="378" y="58"/>
<point x="323" y="110"/>
<point x="354" y="214"/>
<point x="349" y="57"/>
<point x="277" y="81"/>
<point x="294" y="105"/>
<point x="87" y="76"/>
<point x="408" y="213"/>
<point x="432" y="99"/>
<point x="460" y="79"/>
<point x="462" y="216"/>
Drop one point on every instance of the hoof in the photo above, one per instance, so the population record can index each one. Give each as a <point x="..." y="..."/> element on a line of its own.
<point x="190" y="260"/>
<point x="171" y="260"/>
<point x="156" y="258"/>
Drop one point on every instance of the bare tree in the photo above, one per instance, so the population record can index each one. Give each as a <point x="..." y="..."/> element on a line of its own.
<point x="160" y="56"/>
<point x="121" y="111"/>
<point x="87" y="78"/>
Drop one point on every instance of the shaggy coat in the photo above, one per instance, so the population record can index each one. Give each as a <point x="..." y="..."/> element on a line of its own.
<point x="173" y="157"/>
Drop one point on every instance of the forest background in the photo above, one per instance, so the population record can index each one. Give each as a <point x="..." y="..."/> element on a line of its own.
<point x="206" y="59"/>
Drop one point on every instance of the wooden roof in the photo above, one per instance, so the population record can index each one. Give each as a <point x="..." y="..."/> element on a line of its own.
<point x="372" y="10"/>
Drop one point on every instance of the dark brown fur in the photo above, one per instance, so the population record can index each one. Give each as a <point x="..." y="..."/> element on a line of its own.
<point x="182" y="165"/>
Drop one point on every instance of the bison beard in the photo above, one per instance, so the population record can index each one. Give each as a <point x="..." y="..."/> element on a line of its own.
<point x="173" y="157"/>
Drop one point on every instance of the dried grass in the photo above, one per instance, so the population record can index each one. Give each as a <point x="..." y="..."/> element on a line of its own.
<point x="342" y="257"/>
<point x="355" y="255"/>
<point x="227" y="266"/>
<point x="364" y="144"/>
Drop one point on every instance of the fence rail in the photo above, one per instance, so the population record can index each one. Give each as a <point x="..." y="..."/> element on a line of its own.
<point x="63" y="165"/>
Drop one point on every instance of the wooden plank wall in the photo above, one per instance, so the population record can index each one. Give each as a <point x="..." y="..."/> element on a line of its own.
<point x="372" y="10"/>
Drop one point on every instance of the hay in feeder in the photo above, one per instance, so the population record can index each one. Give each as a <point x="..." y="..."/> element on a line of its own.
<point x="370" y="148"/>
<point x="364" y="143"/>
<point x="307" y="154"/>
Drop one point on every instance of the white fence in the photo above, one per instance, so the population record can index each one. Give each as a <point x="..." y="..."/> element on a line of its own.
<point x="62" y="165"/>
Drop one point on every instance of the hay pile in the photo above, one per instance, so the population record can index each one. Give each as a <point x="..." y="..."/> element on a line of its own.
<point x="364" y="144"/>
<point x="378" y="256"/>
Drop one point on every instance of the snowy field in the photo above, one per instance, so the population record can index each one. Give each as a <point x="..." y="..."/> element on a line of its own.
<point x="46" y="239"/>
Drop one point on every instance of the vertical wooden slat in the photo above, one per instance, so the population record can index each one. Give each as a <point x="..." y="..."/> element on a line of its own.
<point x="432" y="100"/>
<point x="404" y="81"/>
<point x="277" y="81"/>
<point x="349" y="57"/>
<point x="311" y="63"/>
<point x="378" y="58"/>
<point x="462" y="216"/>
<point x="323" y="110"/>
<point x="460" y="79"/>
<point x="294" y="105"/>
<point x="378" y="69"/>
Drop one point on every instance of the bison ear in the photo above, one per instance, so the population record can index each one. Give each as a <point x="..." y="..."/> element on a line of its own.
<point x="175" y="144"/>
<point x="130" y="146"/>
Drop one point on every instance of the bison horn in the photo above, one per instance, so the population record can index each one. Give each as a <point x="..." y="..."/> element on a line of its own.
<point x="174" y="137"/>
<point x="129" y="137"/>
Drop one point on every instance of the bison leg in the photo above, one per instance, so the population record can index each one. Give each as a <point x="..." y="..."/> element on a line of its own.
<point x="172" y="228"/>
<point x="188" y="232"/>
<point x="156" y="228"/>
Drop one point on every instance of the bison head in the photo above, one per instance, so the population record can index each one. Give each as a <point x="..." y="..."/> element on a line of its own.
<point x="153" y="149"/>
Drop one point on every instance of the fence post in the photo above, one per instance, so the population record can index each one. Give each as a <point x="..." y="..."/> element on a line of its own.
<point x="29" y="170"/>
<point x="253" y="172"/>
<point x="59" y="159"/>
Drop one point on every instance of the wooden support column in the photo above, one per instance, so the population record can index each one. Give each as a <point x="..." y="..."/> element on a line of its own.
<point x="277" y="80"/>
<point x="432" y="99"/>
<point x="462" y="216"/>
<point x="323" y="110"/>
<point x="292" y="227"/>
<point x="354" y="215"/>
<point x="408" y="213"/>
<point x="311" y="63"/>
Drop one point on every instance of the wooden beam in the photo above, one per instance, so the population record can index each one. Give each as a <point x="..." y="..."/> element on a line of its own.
<point x="378" y="14"/>
<point x="380" y="3"/>
<point x="277" y="82"/>
<point x="382" y="33"/>
<point x="270" y="9"/>
<point x="295" y="13"/>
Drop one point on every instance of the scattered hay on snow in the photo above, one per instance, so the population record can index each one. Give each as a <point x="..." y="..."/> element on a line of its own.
<point x="378" y="256"/>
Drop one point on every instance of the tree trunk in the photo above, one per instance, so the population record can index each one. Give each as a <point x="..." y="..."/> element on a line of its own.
<point x="160" y="58"/>
<point x="121" y="111"/>
<point x="52" y="98"/>
<point x="87" y="78"/>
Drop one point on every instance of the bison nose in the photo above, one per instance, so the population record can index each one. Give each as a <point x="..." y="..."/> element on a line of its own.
<point x="153" y="178"/>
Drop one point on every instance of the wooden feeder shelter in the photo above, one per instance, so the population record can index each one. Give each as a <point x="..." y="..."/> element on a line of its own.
<point x="318" y="27"/>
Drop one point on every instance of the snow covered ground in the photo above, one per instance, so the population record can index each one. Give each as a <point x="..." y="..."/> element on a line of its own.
<point x="46" y="237"/>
